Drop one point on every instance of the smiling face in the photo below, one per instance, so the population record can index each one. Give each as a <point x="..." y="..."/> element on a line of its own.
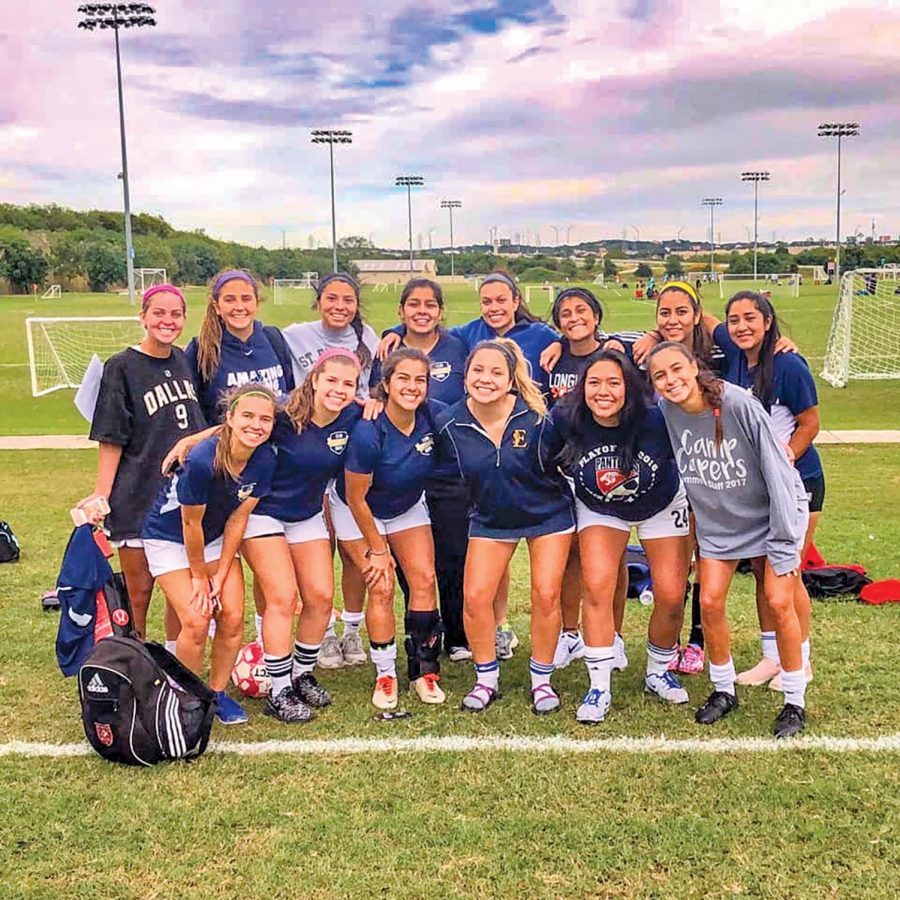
<point x="421" y="313"/>
<point x="408" y="385"/>
<point x="164" y="317"/>
<point x="488" y="378"/>
<point x="604" y="391"/>
<point x="676" y="317"/>
<point x="577" y="320"/>
<point x="251" y="420"/>
<point x="498" y="306"/>
<point x="237" y="305"/>
<point x="338" y="304"/>
<point x="746" y="325"/>
<point x="334" y="385"/>
<point x="674" y="376"/>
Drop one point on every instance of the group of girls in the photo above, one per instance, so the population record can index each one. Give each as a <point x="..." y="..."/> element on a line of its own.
<point x="453" y="461"/>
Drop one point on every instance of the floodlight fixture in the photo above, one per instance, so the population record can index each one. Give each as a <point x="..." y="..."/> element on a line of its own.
<point x="332" y="136"/>
<point x="756" y="178"/>
<point x="409" y="182"/>
<point x="450" y="205"/>
<point x="838" y="130"/>
<point x="712" y="203"/>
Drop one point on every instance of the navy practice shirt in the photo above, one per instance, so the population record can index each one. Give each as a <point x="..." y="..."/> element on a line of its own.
<point x="197" y="483"/>
<point x="568" y="370"/>
<point x="600" y="484"/>
<point x="400" y="465"/>
<point x="306" y="463"/>
<point x="240" y="362"/>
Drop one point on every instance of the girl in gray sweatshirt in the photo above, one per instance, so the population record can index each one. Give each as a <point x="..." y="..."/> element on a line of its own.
<point x="748" y="501"/>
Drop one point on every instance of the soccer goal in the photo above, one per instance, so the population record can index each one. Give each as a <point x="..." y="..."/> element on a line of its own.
<point x="60" y="349"/>
<point x="148" y="278"/>
<point x="776" y="284"/>
<point x="294" y="290"/>
<point x="863" y="339"/>
<point x="53" y="292"/>
<point x="543" y="292"/>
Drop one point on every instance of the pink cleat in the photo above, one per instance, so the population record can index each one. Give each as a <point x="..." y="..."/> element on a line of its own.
<point x="691" y="660"/>
<point x="675" y="662"/>
<point x="762" y="673"/>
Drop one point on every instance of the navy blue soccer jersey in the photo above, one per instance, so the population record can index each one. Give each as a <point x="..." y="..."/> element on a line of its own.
<point x="793" y="392"/>
<point x="240" y="362"/>
<point x="198" y="484"/>
<point x="447" y="362"/>
<point x="306" y="463"/>
<point x="400" y="465"/>
<point x="716" y="362"/>
<point x="567" y="371"/>
<point x="649" y="485"/>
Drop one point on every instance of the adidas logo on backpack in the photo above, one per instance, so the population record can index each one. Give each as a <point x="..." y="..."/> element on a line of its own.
<point x="96" y="685"/>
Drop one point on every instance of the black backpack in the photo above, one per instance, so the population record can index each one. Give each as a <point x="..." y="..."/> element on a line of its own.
<point x="824" y="582"/>
<point x="140" y="705"/>
<point x="9" y="544"/>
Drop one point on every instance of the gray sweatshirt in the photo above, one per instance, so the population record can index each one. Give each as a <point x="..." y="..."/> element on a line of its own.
<point x="747" y="498"/>
<point x="307" y="340"/>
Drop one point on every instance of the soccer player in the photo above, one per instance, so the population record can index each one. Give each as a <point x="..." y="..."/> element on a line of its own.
<point x="147" y="401"/>
<point x="287" y="542"/>
<point x="625" y="477"/>
<point x="378" y="509"/>
<point x="748" y="502"/>
<point x="577" y="314"/>
<point x="194" y="530"/>
<point x="507" y="451"/>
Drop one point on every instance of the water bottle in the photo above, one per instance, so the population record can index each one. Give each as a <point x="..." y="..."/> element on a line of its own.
<point x="646" y="597"/>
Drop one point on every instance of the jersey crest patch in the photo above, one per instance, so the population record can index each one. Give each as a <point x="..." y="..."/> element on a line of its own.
<point x="426" y="445"/>
<point x="615" y="484"/>
<point x="337" y="442"/>
<point x="440" y="370"/>
<point x="245" y="491"/>
<point x="519" y="441"/>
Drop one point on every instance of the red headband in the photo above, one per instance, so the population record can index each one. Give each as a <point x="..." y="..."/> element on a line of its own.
<point x="158" y="289"/>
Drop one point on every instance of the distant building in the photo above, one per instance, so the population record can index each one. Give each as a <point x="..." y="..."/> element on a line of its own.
<point x="393" y="271"/>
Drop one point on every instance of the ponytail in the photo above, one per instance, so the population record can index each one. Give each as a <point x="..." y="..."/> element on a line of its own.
<point x="224" y="462"/>
<point x="522" y="382"/>
<point x="209" y="340"/>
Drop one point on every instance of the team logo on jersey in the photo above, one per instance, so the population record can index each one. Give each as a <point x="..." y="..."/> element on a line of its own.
<point x="245" y="491"/>
<point x="616" y="485"/>
<point x="104" y="733"/>
<point x="337" y="442"/>
<point x="518" y="438"/>
<point x="426" y="445"/>
<point x="440" y="369"/>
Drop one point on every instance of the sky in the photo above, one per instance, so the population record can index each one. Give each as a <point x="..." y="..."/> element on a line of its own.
<point x="608" y="117"/>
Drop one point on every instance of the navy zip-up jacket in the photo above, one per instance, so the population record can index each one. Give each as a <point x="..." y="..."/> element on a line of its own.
<point x="516" y="489"/>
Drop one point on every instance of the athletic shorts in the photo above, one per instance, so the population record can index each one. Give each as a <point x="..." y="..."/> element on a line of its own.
<point x="515" y="540"/>
<point x="130" y="543"/>
<point x="562" y="523"/>
<point x="673" y="521"/>
<point x="169" y="556"/>
<point x="346" y="529"/>
<point x="815" y="492"/>
<point x="312" y="529"/>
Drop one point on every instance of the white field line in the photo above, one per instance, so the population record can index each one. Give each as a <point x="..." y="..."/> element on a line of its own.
<point x="655" y="746"/>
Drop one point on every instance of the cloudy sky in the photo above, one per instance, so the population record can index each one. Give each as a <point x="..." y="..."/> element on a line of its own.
<point x="594" y="114"/>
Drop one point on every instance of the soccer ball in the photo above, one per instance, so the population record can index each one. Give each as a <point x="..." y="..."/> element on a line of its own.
<point x="249" y="673"/>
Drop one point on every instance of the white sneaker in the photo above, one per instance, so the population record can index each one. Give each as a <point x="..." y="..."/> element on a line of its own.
<point x="352" y="650"/>
<point x="427" y="689"/>
<point x="666" y="686"/>
<point x="569" y="646"/>
<point x="620" y="658"/>
<point x="594" y="707"/>
<point x="459" y="654"/>
<point x="330" y="655"/>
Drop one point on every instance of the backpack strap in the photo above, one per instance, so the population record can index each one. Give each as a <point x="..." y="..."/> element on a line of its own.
<point x="279" y="345"/>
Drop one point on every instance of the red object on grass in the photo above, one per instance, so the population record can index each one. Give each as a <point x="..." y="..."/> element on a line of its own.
<point x="878" y="592"/>
<point x="813" y="559"/>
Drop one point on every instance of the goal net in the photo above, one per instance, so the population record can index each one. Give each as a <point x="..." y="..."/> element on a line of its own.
<point x="863" y="339"/>
<point x="52" y="292"/>
<point x="60" y="349"/>
<point x="776" y="284"/>
<point x="294" y="290"/>
<point x="536" y="294"/>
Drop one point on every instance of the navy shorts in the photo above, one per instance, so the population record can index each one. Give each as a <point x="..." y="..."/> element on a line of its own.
<point x="815" y="492"/>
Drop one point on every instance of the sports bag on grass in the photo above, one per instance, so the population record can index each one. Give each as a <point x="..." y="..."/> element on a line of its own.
<point x="834" y="581"/>
<point x="140" y="705"/>
<point x="9" y="544"/>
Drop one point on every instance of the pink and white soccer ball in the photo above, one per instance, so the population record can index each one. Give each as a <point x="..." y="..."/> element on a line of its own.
<point x="249" y="673"/>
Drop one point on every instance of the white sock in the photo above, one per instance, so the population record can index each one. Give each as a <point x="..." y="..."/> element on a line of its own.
<point x="384" y="660"/>
<point x="305" y="656"/>
<point x="599" y="662"/>
<point x="658" y="658"/>
<point x="770" y="646"/>
<point x="352" y="621"/>
<point x="618" y="642"/>
<point x="279" y="669"/>
<point x="540" y="672"/>
<point x="257" y="621"/>
<point x="170" y="646"/>
<point x="804" y="652"/>
<point x="211" y="630"/>
<point x="723" y="677"/>
<point x="794" y="686"/>
<point x="488" y="674"/>
<point x="329" y="631"/>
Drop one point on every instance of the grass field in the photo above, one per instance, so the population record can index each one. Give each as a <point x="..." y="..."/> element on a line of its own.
<point x="800" y="823"/>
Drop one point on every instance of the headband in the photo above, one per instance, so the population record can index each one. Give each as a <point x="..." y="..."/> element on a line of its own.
<point x="325" y="280"/>
<point x="239" y="397"/>
<point x="577" y="292"/>
<point x="503" y="278"/>
<point x="339" y="353"/>
<point x="233" y="275"/>
<point x="159" y="289"/>
<point x="684" y="287"/>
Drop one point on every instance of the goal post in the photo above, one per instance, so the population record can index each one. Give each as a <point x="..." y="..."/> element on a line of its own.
<point x="52" y="293"/>
<point x="778" y="284"/>
<point x="60" y="349"/>
<point x="293" y="290"/>
<point x="863" y="342"/>
<point x="533" y="293"/>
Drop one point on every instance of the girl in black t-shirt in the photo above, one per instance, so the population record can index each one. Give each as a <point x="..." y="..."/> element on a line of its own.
<point x="147" y="401"/>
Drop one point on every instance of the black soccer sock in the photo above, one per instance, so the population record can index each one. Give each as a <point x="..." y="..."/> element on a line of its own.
<point x="423" y="642"/>
<point x="696" y="635"/>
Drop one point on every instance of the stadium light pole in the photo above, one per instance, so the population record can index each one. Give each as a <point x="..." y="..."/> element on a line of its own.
<point x="409" y="182"/>
<point x="332" y="136"/>
<point x="450" y="205"/>
<point x="116" y="16"/>
<point x="756" y="178"/>
<point x="712" y="203"/>
<point x="838" y="130"/>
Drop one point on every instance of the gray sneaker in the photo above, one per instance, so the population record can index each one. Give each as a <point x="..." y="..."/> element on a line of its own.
<point x="505" y="642"/>
<point x="352" y="649"/>
<point x="330" y="656"/>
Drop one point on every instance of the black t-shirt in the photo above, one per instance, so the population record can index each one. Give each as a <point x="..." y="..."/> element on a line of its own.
<point x="567" y="371"/>
<point x="144" y="406"/>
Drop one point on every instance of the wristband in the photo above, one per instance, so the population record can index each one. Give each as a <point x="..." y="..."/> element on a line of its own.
<point x="370" y="553"/>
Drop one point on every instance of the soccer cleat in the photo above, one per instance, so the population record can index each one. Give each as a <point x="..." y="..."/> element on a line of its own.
<point x="310" y="691"/>
<point x="691" y="660"/>
<point x="228" y="711"/>
<point x="594" y="707"/>
<point x="544" y="700"/>
<point x="479" y="698"/>
<point x="427" y="689"/>
<point x="764" y="671"/>
<point x="352" y="649"/>
<point x="667" y="687"/>
<point x="718" y="704"/>
<point x="385" y="694"/>
<point x="505" y="641"/>
<point x="790" y="721"/>
<point x="775" y="683"/>
<point x="330" y="655"/>
<point x="570" y="646"/>
<point x="459" y="654"/>
<point x="620" y="658"/>
<point x="288" y="708"/>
